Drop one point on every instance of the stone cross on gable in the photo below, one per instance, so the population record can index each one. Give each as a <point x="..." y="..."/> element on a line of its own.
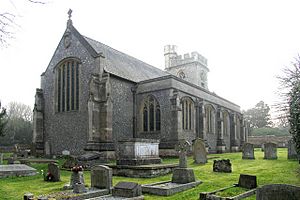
<point x="70" y="13"/>
<point x="183" y="147"/>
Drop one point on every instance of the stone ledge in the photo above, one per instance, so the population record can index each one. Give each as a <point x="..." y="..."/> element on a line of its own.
<point x="167" y="188"/>
<point x="142" y="171"/>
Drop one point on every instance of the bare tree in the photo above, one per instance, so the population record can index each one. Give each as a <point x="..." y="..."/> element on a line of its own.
<point x="8" y="24"/>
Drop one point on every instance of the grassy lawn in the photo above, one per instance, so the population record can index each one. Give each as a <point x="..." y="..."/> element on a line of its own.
<point x="267" y="171"/>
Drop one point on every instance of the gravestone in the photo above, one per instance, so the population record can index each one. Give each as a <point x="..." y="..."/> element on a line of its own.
<point x="278" y="192"/>
<point x="76" y="177"/>
<point x="247" y="181"/>
<point x="182" y="174"/>
<point x="270" y="150"/>
<point x="223" y="165"/>
<point x="248" y="151"/>
<point x="127" y="189"/>
<point x="101" y="177"/>
<point x="28" y="196"/>
<point x="54" y="172"/>
<point x="262" y="147"/>
<point x="79" y="188"/>
<point x="199" y="151"/>
<point x="292" y="154"/>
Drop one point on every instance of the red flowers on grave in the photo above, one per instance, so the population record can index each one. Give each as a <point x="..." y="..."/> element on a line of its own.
<point x="77" y="169"/>
<point x="49" y="177"/>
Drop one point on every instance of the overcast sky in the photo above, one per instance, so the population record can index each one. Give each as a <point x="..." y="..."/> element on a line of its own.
<point x="247" y="43"/>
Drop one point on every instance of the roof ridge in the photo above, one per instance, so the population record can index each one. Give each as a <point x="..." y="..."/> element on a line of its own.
<point x="122" y="53"/>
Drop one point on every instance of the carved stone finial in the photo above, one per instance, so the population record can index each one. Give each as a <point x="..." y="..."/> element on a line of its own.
<point x="70" y="13"/>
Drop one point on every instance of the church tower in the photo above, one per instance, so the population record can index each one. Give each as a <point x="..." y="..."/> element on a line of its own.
<point x="191" y="67"/>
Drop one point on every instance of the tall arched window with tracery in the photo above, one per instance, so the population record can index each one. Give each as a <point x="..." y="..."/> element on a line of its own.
<point x="187" y="107"/>
<point x="151" y="114"/>
<point x="67" y="86"/>
<point x="210" y="119"/>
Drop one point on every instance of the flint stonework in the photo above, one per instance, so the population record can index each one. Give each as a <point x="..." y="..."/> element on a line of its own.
<point x="92" y="96"/>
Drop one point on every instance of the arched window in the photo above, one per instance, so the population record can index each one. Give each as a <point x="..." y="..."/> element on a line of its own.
<point x="67" y="86"/>
<point x="151" y="114"/>
<point x="226" y="122"/>
<point x="187" y="107"/>
<point x="210" y="119"/>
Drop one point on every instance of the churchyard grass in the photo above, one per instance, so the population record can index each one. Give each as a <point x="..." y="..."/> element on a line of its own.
<point x="267" y="172"/>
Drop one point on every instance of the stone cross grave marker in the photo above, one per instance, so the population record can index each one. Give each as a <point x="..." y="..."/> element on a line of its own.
<point x="199" y="151"/>
<point x="270" y="151"/>
<point x="248" y="151"/>
<point x="183" y="147"/>
<point x="101" y="177"/>
<point x="182" y="174"/>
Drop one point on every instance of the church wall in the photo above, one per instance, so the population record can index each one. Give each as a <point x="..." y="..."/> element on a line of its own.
<point x="122" y="99"/>
<point x="67" y="130"/>
<point x="166" y="134"/>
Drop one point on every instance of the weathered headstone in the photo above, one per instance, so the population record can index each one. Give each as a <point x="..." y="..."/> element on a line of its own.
<point x="79" y="188"/>
<point x="182" y="174"/>
<point x="278" y="192"/>
<point x="247" y="181"/>
<point x="199" y="151"/>
<point x="270" y="150"/>
<point x="76" y="177"/>
<point x="248" y="151"/>
<point x="223" y="165"/>
<point x="127" y="189"/>
<point x="262" y="147"/>
<point x="53" y="172"/>
<point x="101" y="177"/>
<point x="292" y="153"/>
<point x="28" y="196"/>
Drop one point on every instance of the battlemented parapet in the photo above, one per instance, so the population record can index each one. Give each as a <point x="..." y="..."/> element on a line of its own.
<point x="191" y="66"/>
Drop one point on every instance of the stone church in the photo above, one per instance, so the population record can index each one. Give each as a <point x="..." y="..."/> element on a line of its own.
<point x="92" y="96"/>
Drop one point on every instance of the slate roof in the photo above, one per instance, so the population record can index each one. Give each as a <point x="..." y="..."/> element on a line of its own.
<point x="125" y="66"/>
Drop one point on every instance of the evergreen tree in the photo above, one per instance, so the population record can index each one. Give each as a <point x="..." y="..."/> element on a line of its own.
<point x="2" y="120"/>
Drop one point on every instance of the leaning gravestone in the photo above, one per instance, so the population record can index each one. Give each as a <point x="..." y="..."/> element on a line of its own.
<point x="248" y="151"/>
<point x="223" y="165"/>
<point x="53" y="172"/>
<point x="101" y="177"/>
<point x="292" y="154"/>
<point x="278" y="192"/>
<point x="270" y="151"/>
<point x="199" y="151"/>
